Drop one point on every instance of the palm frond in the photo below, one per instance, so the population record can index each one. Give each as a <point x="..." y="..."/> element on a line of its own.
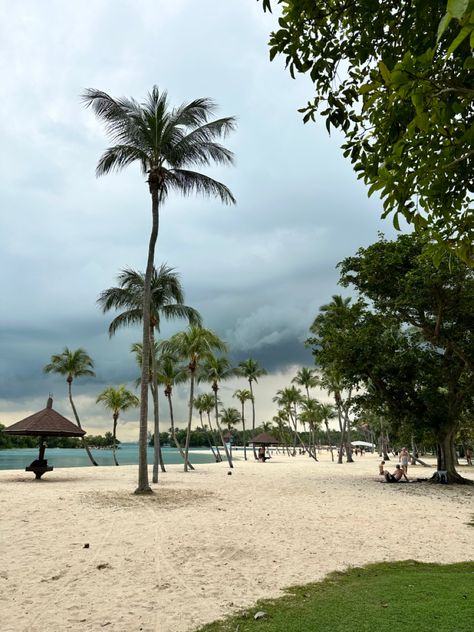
<point x="188" y="182"/>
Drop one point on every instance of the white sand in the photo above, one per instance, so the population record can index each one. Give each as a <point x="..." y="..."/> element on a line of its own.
<point x="206" y="543"/>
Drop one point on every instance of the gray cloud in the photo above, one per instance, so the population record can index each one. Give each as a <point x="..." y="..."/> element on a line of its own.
<point x="257" y="272"/>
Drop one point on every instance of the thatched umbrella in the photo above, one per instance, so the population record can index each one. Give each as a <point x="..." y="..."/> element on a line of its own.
<point x="264" y="438"/>
<point x="45" y="423"/>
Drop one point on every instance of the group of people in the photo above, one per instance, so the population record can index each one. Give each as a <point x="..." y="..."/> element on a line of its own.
<point x="401" y="469"/>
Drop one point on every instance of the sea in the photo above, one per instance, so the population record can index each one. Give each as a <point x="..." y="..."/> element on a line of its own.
<point x="127" y="454"/>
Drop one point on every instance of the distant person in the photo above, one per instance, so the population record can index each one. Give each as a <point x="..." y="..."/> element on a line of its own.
<point x="403" y="458"/>
<point x="396" y="476"/>
<point x="469" y="456"/>
<point x="261" y="454"/>
<point x="381" y="468"/>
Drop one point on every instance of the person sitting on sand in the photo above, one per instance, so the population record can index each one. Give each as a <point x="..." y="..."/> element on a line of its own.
<point x="261" y="454"/>
<point x="396" y="476"/>
<point x="381" y="468"/>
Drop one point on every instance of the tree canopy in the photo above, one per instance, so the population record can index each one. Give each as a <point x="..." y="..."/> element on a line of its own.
<point x="397" y="79"/>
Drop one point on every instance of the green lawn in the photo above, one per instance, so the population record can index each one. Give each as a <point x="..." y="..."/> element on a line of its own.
<point x="385" y="597"/>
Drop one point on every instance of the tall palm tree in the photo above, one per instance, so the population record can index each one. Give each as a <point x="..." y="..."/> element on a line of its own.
<point x="230" y="417"/>
<point x="166" y="142"/>
<point x="331" y="380"/>
<point x="73" y="364"/>
<point x="167" y="301"/>
<point x="305" y="377"/>
<point x="243" y="395"/>
<point x="201" y="404"/>
<point x="251" y="370"/>
<point x="196" y="344"/>
<point x="215" y="370"/>
<point x="117" y="400"/>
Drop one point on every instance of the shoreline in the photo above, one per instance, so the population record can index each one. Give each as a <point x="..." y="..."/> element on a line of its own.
<point x="206" y="543"/>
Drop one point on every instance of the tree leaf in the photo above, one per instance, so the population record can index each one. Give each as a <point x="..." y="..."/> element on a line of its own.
<point x="465" y="31"/>
<point x="457" y="8"/>
<point x="443" y="25"/>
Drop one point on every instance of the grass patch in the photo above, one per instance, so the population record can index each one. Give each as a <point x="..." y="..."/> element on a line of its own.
<point x="376" y="598"/>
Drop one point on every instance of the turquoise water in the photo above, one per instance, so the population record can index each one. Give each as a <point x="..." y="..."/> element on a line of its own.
<point x="63" y="457"/>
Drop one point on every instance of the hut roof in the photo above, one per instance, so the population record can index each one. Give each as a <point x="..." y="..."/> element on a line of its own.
<point x="264" y="438"/>
<point x="46" y="422"/>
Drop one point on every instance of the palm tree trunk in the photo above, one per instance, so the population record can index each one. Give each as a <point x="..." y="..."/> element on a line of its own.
<point x="243" y="432"/>
<point x="212" y="434"/>
<point x="143" y="483"/>
<point x="157" y="456"/>
<point x="114" y="438"/>
<point x="173" y="432"/>
<point x="208" y="438"/>
<point x="229" y="458"/>
<point x="190" y="418"/>
<point x="253" y="421"/>
<point x="329" y="439"/>
<point x="76" y="416"/>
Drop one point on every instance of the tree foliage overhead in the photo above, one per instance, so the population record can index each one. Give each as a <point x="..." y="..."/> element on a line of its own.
<point x="397" y="78"/>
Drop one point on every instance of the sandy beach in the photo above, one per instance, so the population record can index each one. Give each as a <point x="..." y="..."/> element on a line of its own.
<point x="80" y="552"/>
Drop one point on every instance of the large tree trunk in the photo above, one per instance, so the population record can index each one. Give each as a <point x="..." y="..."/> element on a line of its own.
<point x="445" y="462"/>
<point x="76" y="417"/>
<point x="143" y="483"/>
<point x="342" y="430"/>
<point x="114" y="438"/>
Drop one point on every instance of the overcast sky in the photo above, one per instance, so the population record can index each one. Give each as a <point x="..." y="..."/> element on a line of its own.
<point x="257" y="272"/>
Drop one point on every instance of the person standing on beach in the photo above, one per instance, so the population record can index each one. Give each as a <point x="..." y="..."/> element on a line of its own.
<point x="403" y="458"/>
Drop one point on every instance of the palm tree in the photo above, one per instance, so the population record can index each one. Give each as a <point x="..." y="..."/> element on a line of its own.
<point x="327" y="413"/>
<point x="137" y="349"/>
<point x="167" y="300"/>
<point x="215" y="370"/>
<point x="283" y="430"/>
<point x="251" y="370"/>
<point x="73" y="364"/>
<point x="117" y="400"/>
<point x="201" y="404"/>
<point x="168" y="374"/>
<point x="165" y="142"/>
<point x="243" y="395"/>
<point x="305" y="377"/>
<point x="289" y="398"/>
<point x="196" y="344"/>
<point x="230" y="417"/>
<point x="311" y="415"/>
<point x="207" y="401"/>
<point x="333" y="383"/>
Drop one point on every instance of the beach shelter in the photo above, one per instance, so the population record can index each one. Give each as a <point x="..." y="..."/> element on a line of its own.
<point x="45" y="423"/>
<point x="264" y="438"/>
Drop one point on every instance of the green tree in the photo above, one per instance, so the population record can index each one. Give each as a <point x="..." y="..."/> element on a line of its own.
<point x="195" y="345"/>
<point x="251" y="370"/>
<point x="326" y="412"/>
<point x="73" y="364"/>
<point x="216" y="369"/>
<point x="166" y="301"/>
<point x="405" y="100"/>
<point x="413" y="351"/>
<point x="117" y="400"/>
<point x="204" y="403"/>
<point x="243" y="395"/>
<point x="306" y="378"/>
<point x="165" y="142"/>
